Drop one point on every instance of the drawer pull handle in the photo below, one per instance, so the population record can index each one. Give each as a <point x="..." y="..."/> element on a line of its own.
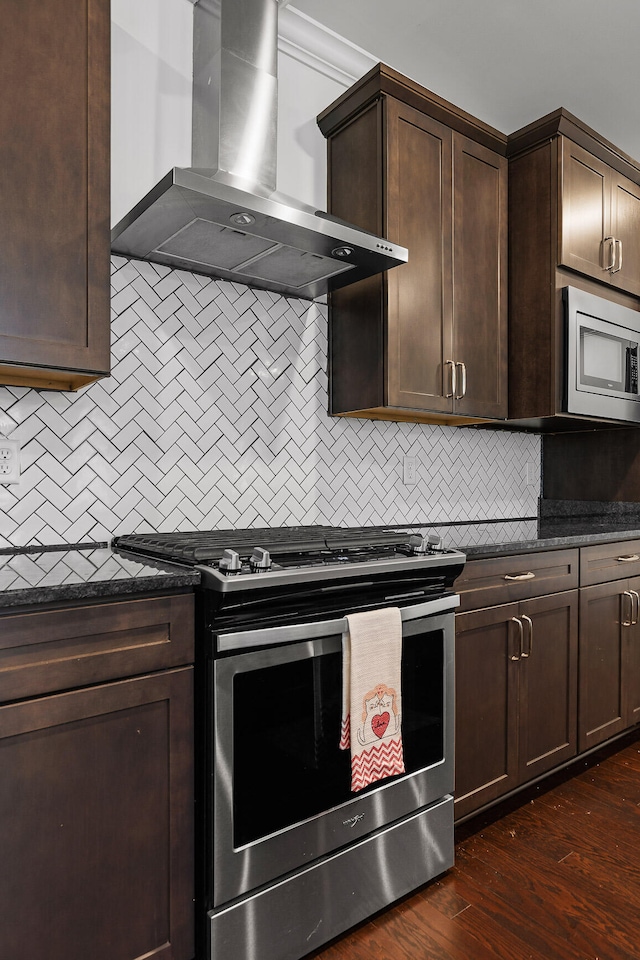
<point x="630" y="559"/>
<point x="521" y="576"/>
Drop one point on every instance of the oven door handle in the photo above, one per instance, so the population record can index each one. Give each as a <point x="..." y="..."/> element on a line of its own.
<point x="292" y="633"/>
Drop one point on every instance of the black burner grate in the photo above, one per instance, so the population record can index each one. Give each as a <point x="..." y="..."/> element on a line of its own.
<point x="199" y="546"/>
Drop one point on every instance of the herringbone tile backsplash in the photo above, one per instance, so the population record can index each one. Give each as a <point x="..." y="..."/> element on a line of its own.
<point x="215" y="416"/>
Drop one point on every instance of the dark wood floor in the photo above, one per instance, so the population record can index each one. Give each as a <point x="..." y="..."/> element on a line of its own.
<point x="556" y="878"/>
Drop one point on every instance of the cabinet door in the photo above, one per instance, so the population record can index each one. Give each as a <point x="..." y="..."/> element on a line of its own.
<point x="631" y="667"/>
<point x="54" y="193"/>
<point x="96" y="822"/>
<point x="625" y="227"/>
<point x="479" y="279"/>
<point x="604" y="611"/>
<point x="419" y="217"/>
<point x="548" y="676"/>
<point x="486" y="706"/>
<point x="585" y="214"/>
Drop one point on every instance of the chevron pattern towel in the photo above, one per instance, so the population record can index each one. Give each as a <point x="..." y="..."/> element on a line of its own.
<point x="371" y="695"/>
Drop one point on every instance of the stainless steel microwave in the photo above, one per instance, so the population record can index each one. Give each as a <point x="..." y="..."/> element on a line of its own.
<point x="602" y="357"/>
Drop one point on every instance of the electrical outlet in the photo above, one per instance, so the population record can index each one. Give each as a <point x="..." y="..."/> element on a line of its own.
<point x="409" y="472"/>
<point x="530" y="474"/>
<point x="9" y="461"/>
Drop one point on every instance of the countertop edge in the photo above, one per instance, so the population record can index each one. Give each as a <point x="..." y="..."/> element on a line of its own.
<point x="104" y="590"/>
<point x="487" y="551"/>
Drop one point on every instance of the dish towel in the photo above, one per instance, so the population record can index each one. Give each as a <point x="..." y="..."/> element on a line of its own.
<point x="371" y="696"/>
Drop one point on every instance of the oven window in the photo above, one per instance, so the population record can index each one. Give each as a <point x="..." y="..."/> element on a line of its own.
<point x="286" y="728"/>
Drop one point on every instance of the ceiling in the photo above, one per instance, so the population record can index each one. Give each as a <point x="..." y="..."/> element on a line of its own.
<point x="508" y="62"/>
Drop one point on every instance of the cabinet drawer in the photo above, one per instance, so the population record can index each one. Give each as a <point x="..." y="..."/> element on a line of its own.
<point x="52" y="650"/>
<point x="485" y="583"/>
<point x="609" y="561"/>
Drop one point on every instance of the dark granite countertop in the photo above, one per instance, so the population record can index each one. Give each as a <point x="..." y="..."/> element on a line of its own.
<point x="69" y="573"/>
<point x="560" y="524"/>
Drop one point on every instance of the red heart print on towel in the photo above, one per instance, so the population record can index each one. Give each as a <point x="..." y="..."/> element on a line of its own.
<point x="379" y="724"/>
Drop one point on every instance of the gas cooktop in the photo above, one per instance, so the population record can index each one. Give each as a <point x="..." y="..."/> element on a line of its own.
<point x="227" y="558"/>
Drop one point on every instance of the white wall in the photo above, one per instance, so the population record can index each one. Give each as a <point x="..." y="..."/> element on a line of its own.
<point x="150" y="95"/>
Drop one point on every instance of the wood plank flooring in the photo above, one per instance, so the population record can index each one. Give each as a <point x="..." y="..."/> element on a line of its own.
<point x="552" y="875"/>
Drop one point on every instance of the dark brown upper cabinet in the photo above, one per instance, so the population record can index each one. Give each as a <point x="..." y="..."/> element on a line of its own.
<point x="426" y="341"/>
<point x="600" y="219"/>
<point x="574" y="220"/>
<point x="54" y="193"/>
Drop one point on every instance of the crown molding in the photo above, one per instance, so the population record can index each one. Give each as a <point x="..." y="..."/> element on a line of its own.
<point x="316" y="46"/>
<point x="321" y="49"/>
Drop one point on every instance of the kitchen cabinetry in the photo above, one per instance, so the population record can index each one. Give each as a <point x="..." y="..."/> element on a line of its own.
<point x="427" y="341"/>
<point x="54" y="195"/>
<point x="574" y="219"/>
<point x="516" y="673"/>
<point x="96" y="793"/>
<point x="609" y="641"/>
<point x="599" y="219"/>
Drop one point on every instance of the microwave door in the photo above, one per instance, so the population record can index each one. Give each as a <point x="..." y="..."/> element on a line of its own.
<point x="605" y="362"/>
<point x="601" y="372"/>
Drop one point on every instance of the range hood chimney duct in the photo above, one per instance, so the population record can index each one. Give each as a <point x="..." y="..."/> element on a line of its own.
<point x="223" y="216"/>
<point x="235" y="92"/>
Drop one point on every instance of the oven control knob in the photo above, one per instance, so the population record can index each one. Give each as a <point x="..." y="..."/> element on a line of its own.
<point x="434" y="543"/>
<point x="230" y="563"/>
<point x="260" y="560"/>
<point x="418" y="544"/>
<point x="421" y="545"/>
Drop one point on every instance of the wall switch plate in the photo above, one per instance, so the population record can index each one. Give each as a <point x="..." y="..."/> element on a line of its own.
<point x="9" y="461"/>
<point x="530" y="474"/>
<point x="409" y="472"/>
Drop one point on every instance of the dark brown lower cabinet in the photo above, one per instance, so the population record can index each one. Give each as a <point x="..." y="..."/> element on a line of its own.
<point x="609" y="660"/>
<point x="95" y="822"/>
<point x="516" y="692"/>
<point x="96" y="782"/>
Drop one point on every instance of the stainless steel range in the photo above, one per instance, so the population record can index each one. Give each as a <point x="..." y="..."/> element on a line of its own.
<point x="289" y="856"/>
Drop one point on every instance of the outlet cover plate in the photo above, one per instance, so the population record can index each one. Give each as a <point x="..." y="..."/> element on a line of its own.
<point x="9" y="461"/>
<point x="409" y="475"/>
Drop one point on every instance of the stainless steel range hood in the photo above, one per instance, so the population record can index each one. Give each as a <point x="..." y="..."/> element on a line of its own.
<point x="223" y="217"/>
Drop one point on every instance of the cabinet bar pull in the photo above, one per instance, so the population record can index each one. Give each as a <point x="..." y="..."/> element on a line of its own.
<point x="453" y="377"/>
<point x="530" y="638"/>
<point x="630" y="559"/>
<point x="612" y="248"/>
<point x="463" y="380"/>
<point x="618" y="245"/>
<point x="519" y="576"/>
<point x="629" y="622"/>
<point x="521" y="632"/>
<point x="635" y="595"/>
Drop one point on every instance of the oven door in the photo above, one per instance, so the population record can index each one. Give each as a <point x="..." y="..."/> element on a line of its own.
<point x="281" y="786"/>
